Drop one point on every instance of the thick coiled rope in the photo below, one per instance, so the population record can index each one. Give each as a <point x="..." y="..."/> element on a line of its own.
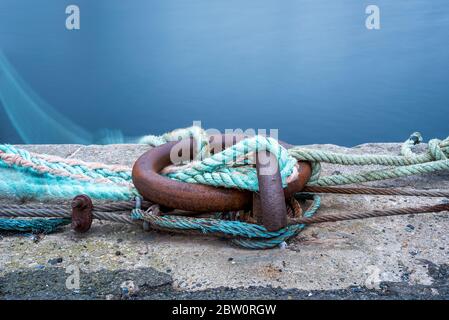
<point x="34" y="176"/>
<point x="247" y="235"/>
<point x="30" y="175"/>
<point x="434" y="160"/>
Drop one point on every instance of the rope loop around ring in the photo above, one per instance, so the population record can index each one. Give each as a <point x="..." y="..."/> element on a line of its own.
<point x="436" y="151"/>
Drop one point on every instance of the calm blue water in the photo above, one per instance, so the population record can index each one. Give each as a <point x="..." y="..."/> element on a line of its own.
<point x="309" y="68"/>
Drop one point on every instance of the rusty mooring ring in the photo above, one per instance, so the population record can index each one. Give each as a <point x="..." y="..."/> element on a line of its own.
<point x="268" y="205"/>
<point x="195" y="197"/>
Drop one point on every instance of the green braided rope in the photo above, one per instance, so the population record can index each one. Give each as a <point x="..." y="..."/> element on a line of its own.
<point x="438" y="150"/>
<point x="342" y="179"/>
<point x="215" y="170"/>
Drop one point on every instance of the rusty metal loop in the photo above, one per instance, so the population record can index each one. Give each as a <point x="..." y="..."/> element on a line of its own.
<point x="270" y="199"/>
<point x="195" y="197"/>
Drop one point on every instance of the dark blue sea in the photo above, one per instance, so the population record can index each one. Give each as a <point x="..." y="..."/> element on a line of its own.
<point x="310" y="68"/>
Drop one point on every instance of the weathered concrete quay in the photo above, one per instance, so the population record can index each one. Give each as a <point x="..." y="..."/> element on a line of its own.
<point x="381" y="258"/>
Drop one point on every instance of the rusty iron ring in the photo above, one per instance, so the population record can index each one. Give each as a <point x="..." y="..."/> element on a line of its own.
<point x="195" y="197"/>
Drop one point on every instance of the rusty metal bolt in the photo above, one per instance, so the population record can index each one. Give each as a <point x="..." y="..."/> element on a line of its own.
<point x="82" y="213"/>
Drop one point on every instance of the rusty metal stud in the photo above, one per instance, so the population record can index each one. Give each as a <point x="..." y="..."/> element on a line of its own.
<point x="82" y="213"/>
<point x="273" y="211"/>
<point x="195" y="197"/>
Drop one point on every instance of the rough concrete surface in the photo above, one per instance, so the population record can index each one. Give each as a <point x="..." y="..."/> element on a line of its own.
<point x="401" y="257"/>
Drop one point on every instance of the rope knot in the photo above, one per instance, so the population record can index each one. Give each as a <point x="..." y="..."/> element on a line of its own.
<point x="436" y="151"/>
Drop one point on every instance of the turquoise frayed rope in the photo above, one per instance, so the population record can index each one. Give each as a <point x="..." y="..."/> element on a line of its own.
<point x="36" y="225"/>
<point x="247" y="235"/>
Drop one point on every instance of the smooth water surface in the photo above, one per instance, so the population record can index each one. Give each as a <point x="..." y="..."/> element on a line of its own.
<point x="309" y="68"/>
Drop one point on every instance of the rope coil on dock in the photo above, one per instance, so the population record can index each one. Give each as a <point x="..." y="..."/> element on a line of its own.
<point x="25" y="174"/>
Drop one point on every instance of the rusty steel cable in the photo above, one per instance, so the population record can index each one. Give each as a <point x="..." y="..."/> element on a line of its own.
<point x="33" y="211"/>
<point x="376" y="191"/>
<point x="114" y="217"/>
<point x="117" y="210"/>
<point x="114" y="211"/>
<point x="369" y="214"/>
<point x="15" y="211"/>
<point x="112" y="206"/>
<point x="121" y="205"/>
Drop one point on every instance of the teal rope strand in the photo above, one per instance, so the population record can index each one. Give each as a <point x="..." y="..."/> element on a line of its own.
<point x="36" y="225"/>
<point x="247" y="235"/>
<point x="19" y="185"/>
<point x="289" y="232"/>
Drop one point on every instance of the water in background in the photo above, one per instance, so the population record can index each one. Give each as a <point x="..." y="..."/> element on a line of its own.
<point x="309" y="68"/>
